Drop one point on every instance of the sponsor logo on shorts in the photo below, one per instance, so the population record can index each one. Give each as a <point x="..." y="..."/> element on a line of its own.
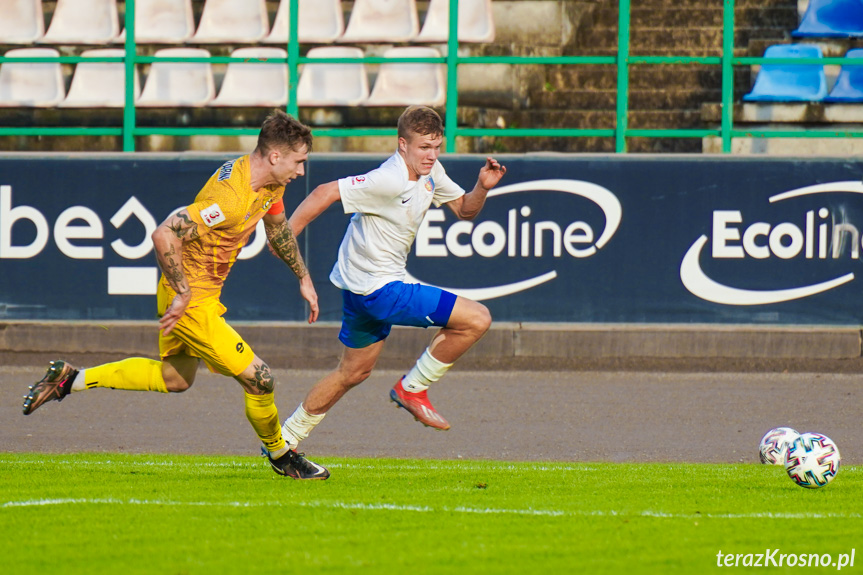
<point x="240" y="347"/>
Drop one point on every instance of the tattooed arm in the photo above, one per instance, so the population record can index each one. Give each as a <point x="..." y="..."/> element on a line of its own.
<point x="168" y="242"/>
<point x="284" y="245"/>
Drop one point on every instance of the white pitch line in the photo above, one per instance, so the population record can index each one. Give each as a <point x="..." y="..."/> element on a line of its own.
<point x="427" y="509"/>
<point x="253" y="462"/>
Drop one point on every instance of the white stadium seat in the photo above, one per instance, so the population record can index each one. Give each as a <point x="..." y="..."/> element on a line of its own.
<point x="408" y="83"/>
<point x="255" y="84"/>
<point x="34" y="85"/>
<point x="321" y="22"/>
<point x="83" y="22"/>
<point x="382" y="21"/>
<point x="21" y="21"/>
<point x="99" y="84"/>
<point x="333" y="84"/>
<point x="172" y="84"/>
<point x="243" y="21"/>
<point x="475" y="22"/>
<point x="162" y="22"/>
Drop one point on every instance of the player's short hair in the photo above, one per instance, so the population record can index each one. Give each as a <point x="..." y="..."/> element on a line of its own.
<point x="280" y="130"/>
<point x="420" y="120"/>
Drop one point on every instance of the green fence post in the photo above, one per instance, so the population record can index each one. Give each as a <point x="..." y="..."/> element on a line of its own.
<point x="622" y="76"/>
<point x="129" y="62"/>
<point x="293" y="58"/>
<point x="727" y="75"/>
<point x="451" y="124"/>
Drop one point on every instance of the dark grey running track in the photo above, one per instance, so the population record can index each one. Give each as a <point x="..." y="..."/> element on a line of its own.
<point x="601" y="415"/>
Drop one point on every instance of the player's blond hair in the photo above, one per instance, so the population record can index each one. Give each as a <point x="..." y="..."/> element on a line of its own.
<point x="280" y="130"/>
<point x="420" y="120"/>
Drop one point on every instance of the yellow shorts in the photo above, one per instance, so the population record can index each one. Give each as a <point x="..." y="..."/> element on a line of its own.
<point x="203" y="332"/>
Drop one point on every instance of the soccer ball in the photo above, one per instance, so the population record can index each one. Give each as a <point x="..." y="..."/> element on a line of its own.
<point x="774" y="445"/>
<point x="812" y="460"/>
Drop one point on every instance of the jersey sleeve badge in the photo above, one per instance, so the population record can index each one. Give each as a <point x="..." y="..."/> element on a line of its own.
<point x="212" y="215"/>
<point x="358" y="182"/>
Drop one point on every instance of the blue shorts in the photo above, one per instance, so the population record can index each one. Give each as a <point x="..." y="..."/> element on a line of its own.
<point x="367" y="319"/>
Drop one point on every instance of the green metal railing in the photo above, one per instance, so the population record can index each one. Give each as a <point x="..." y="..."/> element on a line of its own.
<point x="620" y="131"/>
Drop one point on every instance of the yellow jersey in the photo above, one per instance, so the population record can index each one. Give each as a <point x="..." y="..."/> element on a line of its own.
<point x="226" y="211"/>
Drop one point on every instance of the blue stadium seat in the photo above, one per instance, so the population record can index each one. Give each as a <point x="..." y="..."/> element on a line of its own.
<point x="831" y="19"/>
<point x="790" y="82"/>
<point x="849" y="83"/>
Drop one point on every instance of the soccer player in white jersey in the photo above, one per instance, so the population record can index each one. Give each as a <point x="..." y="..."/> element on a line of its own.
<point x="388" y="204"/>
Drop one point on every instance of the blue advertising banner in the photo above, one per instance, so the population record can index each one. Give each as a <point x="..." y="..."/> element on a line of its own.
<point x="670" y="239"/>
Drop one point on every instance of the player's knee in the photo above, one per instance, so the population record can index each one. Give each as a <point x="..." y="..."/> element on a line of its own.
<point x="177" y="384"/>
<point x="352" y="376"/>
<point x="357" y="376"/>
<point x="480" y="320"/>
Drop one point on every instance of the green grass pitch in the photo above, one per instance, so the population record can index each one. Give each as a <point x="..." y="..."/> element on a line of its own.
<point x="114" y="513"/>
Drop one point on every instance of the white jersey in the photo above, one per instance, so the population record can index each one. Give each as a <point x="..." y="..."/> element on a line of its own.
<point x="388" y="209"/>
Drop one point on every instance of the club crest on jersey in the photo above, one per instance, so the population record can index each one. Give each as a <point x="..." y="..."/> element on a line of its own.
<point x="430" y="184"/>
<point x="212" y="215"/>
<point x="225" y="171"/>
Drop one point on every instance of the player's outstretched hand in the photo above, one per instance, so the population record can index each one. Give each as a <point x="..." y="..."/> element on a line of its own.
<point x="491" y="173"/>
<point x="307" y="290"/>
<point x="174" y="312"/>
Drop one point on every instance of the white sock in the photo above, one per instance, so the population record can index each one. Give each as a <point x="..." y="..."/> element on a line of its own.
<point x="426" y="371"/>
<point x="299" y="425"/>
<point x="78" y="384"/>
<point x="279" y="452"/>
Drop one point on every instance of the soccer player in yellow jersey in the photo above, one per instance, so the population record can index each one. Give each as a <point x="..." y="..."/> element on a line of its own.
<point x="196" y="248"/>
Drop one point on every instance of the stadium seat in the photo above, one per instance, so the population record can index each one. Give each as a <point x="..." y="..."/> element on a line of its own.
<point x="333" y="84"/>
<point x="35" y="85"/>
<point x="162" y="22"/>
<point x="849" y="83"/>
<point x="255" y="84"/>
<point x="243" y="21"/>
<point x="99" y="84"/>
<point x="790" y="82"/>
<point x="321" y="22"/>
<point x="382" y="21"/>
<point x="407" y="83"/>
<point x="831" y="19"/>
<point x="21" y="22"/>
<point x="475" y="22"/>
<point x="83" y="22"/>
<point x="171" y="84"/>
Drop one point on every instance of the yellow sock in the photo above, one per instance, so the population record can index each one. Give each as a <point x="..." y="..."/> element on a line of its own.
<point x="136" y="374"/>
<point x="264" y="417"/>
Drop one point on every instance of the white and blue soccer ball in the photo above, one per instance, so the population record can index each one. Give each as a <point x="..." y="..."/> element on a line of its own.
<point x="774" y="445"/>
<point x="812" y="460"/>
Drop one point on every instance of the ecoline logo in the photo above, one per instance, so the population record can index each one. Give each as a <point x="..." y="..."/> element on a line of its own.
<point x="518" y="237"/>
<point x="761" y="240"/>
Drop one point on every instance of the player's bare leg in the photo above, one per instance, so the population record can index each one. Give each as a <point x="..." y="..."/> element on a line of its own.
<point x="355" y="366"/>
<point x="468" y="322"/>
<point x="179" y="372"/>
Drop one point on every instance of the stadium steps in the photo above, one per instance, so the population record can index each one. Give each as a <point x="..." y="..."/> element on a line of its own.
<point x="664" y="28"/>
